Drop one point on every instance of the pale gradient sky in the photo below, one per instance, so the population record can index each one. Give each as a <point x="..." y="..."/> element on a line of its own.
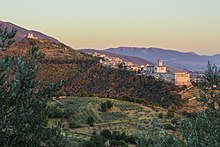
<point x="185" y="25"/>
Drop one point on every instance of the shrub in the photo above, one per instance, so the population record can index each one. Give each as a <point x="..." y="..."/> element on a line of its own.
<point x="96" y="141"/>
<point x="118" y="143"/>
<point x="169" y="126"/>
<point x="160" y="115"/>
<point x="106" y="105"/>
<point x="189" y="114"/>
<point x="117" y="135"/>
<point x="103" y="107"/>
<point x="170" y="113"/>
<point x="54" y="112"/>
<point x="131" y="139"/>
<point x="106" y="133"/>
<point x="82" y="93"/>
<point x="90" y="121"/>
<point x="90" y="144"/>
<point x="109" y="104"/>
<point x="73" y="124"/>
<point x="175" y="120"/>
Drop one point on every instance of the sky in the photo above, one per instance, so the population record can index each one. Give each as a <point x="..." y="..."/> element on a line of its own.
<point x="184" y="25"/>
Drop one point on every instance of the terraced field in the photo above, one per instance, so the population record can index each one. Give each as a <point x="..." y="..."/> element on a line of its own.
<point x="127" y="117"/>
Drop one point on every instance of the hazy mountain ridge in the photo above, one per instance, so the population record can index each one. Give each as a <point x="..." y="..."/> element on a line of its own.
<point x="172" y="58"/>
<point x="22" y="32"/>
<point x="135" y="60"/>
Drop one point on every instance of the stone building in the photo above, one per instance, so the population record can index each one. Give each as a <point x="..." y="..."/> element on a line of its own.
<point x="182" y="78"/>
<point x="159" y="71"/>
<point x="31" y="36"/>
<point x="160" y="68"/>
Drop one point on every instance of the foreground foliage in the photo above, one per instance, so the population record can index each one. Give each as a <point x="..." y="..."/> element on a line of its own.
<point x="204" y="129"/>
<point x="23" y="102"/>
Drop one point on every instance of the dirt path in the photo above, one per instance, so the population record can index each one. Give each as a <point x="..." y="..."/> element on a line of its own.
<point x="186" y="89"/>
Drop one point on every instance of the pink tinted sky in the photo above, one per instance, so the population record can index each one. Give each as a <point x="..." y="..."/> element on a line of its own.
<point x="189" y="25"/>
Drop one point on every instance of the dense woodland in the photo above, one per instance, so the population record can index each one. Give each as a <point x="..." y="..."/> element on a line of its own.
<point x="105" y="82"/>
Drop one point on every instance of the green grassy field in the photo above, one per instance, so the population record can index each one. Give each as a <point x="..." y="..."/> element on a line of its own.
<point x="127" y="117"/>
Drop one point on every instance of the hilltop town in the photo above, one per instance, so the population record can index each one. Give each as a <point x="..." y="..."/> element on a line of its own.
<point x="158" y="70"/>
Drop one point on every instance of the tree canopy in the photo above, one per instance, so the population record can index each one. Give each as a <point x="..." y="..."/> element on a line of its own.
<point x="23" y="100"/>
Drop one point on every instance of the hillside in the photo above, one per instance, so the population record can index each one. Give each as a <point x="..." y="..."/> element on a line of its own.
<point x="22" y="32"/>
<point x="124" y="118"/>
<point x="85" y="76"/>
<point x="172" y="58"/>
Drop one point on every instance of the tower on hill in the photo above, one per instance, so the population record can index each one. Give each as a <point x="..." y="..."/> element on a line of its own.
<point x="160" y="68"/>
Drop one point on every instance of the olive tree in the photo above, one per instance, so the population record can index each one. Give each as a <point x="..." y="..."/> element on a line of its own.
<point x="23" y="100"/>
<point x="204" y="129"/>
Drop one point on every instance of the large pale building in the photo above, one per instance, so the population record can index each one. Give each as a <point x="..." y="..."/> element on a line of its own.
<point x="159" y="71"/>
<point x="160" y="68"/>
<point x="182" y="78"/>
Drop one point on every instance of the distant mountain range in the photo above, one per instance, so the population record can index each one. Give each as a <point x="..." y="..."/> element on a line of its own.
<point x="22" y="32"/>
<point x="134" y="60"/>
<point x="172" y="58"/>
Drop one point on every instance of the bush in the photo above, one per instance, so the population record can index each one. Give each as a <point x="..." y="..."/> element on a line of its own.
<point x="103" y="107"/>
<point x="96" y="141"/>
<point x="169" y="126"/>
<point x="160" y="115"/>
<point x="189" y="114"/>
<point x="106" y="105"/>
<point x="119" y="138"/>
<point x="84" y="94"/>
<point x="90" y="144"/>
<point x="175" y="120"/>
<point x="106" y="133"/>
<point x="54" y="112"/>
<point x="131" y="139"/>
<point x="90" y="121"/>
<point x="73" y="124"/>
<point x="109" y="104"/>
<point x="118" y="143"/>
<point x="170" y="113"/>
<point x="67" y="113"/>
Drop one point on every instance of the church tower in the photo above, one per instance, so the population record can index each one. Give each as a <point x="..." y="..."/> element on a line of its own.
<point x="160" y="62"/>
